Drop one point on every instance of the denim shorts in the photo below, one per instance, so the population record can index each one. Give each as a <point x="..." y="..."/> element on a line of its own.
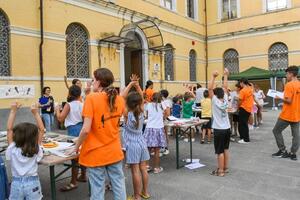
<point x="26" y="188"/>
<point x="74" y="130"/>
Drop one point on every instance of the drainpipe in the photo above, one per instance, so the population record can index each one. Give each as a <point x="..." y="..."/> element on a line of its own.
<point x="206" y="45"/>
<point x="41" y="46"/>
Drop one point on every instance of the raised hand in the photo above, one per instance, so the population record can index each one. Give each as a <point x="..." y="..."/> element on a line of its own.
<point x="34" y="108"/>
<point x="215" y="74"/>
<point x="134" y="78"/>
<point x="226" y="72"/>
<point x="15" y="106"/>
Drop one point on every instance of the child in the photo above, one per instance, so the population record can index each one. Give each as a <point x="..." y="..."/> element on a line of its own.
<point x="220" y="124"/>
<point x="24" y="152"/>
<point x="168" y="104"/>
<point x="235" y="106"/>
<point x="134" y="143"/>
<point x="77" y="82"/>
<point x="71" y="115"/>
<point x="149" y="91"/>
<point x="154" y="131"/>
<point x="188" y="102"/>
<point x="206" y="114"/>
<point x="176" y="109"/>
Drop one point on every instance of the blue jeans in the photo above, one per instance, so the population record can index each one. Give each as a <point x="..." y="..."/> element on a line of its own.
<point x="4" y="189"/>
<point x="48" y="120"/>
<point x="74" y="130"/>
<point x="97" y="181"/>
<point x="25" y="188"/>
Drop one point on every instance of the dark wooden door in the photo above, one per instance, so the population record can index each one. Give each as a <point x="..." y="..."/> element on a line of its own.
<point x="136" y="64"/>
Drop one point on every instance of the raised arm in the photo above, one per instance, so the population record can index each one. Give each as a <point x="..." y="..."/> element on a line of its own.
<point x="61" y="115"/>
<point x="11" y="120"/>
<point x="134" y="78"/>
<point x="39" y="122"/>
<point x="66" y="82"/>
<point x="212" y="83"/>
<point x="225" y="82"/>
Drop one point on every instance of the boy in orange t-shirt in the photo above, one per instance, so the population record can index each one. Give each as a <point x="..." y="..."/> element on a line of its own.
<point x="290" y="115"/>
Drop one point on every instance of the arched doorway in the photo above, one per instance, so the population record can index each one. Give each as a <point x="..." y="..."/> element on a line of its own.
<point x="133" y="58"/>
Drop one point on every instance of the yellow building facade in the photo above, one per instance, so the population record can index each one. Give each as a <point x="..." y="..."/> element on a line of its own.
<point x="170" y="42"/>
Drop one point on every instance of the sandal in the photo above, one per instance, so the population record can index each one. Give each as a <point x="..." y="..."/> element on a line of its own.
<point x="226" y="170"/>
<point x="68" y="187"/>
<point x="149" y="169"/>
<point x="217" y="173"/>
<point x="82" y="179"/>
<point x="131" y="198"/>
<point x="145" y="196"/>
<point x="158" y="170"/>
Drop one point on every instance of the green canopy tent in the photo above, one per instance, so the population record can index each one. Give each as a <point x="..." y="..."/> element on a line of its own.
<point x="253" y="73"/>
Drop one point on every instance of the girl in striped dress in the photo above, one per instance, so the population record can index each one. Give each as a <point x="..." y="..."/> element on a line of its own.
<point x="135" y="146"/>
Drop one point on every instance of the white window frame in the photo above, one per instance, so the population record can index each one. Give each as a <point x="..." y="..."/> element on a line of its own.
<point x="265" y="6"/>
<point x="220" y="8"/>
<point x="174" y="5"/>
<point x="196" y="10"/>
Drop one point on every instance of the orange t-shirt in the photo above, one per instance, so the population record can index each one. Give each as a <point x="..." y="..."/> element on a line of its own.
<point x="246" y="98"/>
<point x="102" y="145"/>
<point x="291" y="112"/>
<point x="149" y="94"/>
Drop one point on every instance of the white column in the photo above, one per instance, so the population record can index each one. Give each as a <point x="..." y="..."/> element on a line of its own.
<point x="145" y="66"/>
<point x="122" y="66"/>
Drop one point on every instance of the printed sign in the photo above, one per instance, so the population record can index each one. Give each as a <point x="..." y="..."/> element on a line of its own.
<point x="16" y="91"/>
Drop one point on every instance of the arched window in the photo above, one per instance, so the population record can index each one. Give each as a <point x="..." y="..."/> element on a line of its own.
<point x="77" y="51"/>
<point x="4" y="45"/>
<point x="193" y="64"/>
<point x="231" y="61"/>
<point x="169" y="63"/>
<point x="278" y="56"/>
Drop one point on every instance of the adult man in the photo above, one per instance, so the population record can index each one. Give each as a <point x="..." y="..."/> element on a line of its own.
<point x="290" y="115"/>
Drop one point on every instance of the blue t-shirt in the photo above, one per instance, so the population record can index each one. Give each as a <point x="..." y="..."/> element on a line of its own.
<point x="176" y="110"/>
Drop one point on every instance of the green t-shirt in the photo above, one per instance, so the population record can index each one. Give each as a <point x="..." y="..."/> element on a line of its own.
<point x="187" y="110"/>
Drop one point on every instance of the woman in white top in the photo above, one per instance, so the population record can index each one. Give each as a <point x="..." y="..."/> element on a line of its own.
<point x="259" y="97"/>
<point x="72" y="117"/>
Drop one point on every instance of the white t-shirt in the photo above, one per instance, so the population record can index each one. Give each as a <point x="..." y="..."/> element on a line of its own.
<point x="75" y="114"/>
<point x="259" y="97"/>
<point x="199" y="94"/>
<point x="167" y="103"/>
<point x="155" y="115"/>
<point x="220" y="116"/>
<point x="22" y="165"/>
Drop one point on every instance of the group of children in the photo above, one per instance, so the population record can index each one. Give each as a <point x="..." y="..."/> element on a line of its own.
<point x="139" y="140"/>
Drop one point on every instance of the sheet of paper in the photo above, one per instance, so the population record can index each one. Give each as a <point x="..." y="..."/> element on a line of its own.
<point x="274" y="93"/>
<point x="194" y="165"/>
<point x="194" y="160"/>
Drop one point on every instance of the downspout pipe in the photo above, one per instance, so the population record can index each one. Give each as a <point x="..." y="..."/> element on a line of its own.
<point x="41" y="46"/>
<point x="206" y="45"/>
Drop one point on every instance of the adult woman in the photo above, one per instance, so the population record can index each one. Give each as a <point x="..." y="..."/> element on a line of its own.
<point x="246" y="101"/>
<point x="47" y="108"/>
<point x="101" y="149"/>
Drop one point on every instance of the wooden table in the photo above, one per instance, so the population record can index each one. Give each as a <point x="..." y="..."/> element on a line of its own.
<point x="181" y="129"/>
<point x="52" y="160"/>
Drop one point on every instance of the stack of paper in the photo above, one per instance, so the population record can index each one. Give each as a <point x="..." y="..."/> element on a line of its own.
<point x="194" y="165"/>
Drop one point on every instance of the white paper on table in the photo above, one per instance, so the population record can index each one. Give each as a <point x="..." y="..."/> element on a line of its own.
<point x="274" y="93"/>
<point x="61" y="148"/>
<point x="172" y="118"/>
<point x="3" y="133"/>
<point x="194" y="165"/>
<point x="194" y="160"/>
<point x="62" y="152"/>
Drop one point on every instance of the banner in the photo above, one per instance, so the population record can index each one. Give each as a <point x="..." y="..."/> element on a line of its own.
<point x="16" y="91"/>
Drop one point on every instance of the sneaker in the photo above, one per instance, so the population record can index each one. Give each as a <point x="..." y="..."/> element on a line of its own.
<point x="242" y="142"/>
<point x="293" y="156"/>
<point x="186" y="140"/>
<point x="281" y="154"/>
<point x="161" y="154"/>
<point x="158" y="170"/>
<point x="193" y="139"/>
<point x="251" y="127"/>
<point x="232" y="139"/>
<point x="202" y="142"/>
<point x="166" y="152"/>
